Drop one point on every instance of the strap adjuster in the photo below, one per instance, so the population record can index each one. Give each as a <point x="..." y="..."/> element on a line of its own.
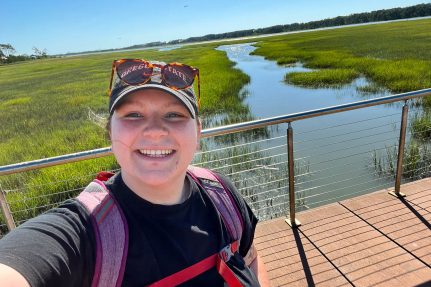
<point x="227" y="252"/>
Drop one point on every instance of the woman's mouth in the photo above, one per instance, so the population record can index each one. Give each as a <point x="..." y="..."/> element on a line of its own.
<point x="156" y="152"/>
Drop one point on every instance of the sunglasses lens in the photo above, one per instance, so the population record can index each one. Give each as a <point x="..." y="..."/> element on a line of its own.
<point x="179" y="76"/>
<point x="134" y="72"/>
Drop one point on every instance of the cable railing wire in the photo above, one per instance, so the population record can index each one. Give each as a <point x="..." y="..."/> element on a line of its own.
<point x="363" y="173"/>
<point x="241" y="155"/>
<point x="342" y="134"/>
<point x="336" y="198"/>
<point x="342" y="188"/>
<point x="267" y="191"/>
<point x="254" y="169"/>
<point x="239" y="145"/>
<point x="249" y="161"/>
<point x="28" y="186"/>
<point x="252" y="178"/>
<point x="345" y="124"/>
<point x="349" y="140"/>
<point x="339" y="158"/>
<point x="336" y="182"/>
<point x="47" y="195"/>
<point x="36" y="207"/>
<point x="371" y="165"/>
<point x="261" y="184"/>
<point x="264" y="169"/>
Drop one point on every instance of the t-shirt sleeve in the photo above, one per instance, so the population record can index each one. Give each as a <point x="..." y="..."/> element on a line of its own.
<point x="248" y="216"/>
<point x="53" y="249"/>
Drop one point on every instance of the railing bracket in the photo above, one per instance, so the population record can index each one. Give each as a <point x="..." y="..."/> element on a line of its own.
<point x="297" y="222"/>
<point x="397" y="194"/>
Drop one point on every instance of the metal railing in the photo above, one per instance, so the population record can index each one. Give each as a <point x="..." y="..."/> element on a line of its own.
<point x="267" y="162"/>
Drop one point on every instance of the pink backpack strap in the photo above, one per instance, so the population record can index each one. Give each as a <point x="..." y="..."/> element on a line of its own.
<point x="111" y="233"/>
<point x="222" y="198"/>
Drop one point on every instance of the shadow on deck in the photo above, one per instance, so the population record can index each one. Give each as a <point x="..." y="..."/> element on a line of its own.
<point x="371" y="240"/>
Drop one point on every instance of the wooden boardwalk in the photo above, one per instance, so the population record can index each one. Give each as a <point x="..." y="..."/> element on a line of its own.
<point x="371" y="240"/>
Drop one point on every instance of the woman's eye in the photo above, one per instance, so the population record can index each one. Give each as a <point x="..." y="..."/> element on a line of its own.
<point x="133" y="115"/>
<point x="174" y="115"/>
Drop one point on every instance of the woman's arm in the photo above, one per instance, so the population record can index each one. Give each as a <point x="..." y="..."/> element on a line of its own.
<point x="9" y="277"/>
<point x="256" y="264"/>
<point x="258" y="267"/>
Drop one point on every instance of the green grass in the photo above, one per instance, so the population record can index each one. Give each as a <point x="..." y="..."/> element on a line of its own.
<point x="322" y="78"/>
<point x="396" y="56"/>
<point x="370" y="89"/>
<point x="44" y="103"/>
<point x="421" y="126"/>
<point x="44" y="112"/>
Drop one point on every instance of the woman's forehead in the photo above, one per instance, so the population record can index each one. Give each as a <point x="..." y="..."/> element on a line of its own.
<point x="143" y="96"/>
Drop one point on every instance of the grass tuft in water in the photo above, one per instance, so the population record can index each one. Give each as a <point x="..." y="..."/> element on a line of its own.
<point x="395" y="55"/>
<point x="322" y="78"/>
<point x="421" y="126"/>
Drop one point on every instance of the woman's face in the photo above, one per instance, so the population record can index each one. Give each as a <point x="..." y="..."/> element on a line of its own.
<point x="153" y="138"/>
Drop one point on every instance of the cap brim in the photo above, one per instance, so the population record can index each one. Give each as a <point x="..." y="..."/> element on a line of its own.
<point x="179" y="94"/>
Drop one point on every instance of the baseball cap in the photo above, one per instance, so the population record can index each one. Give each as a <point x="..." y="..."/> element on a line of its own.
<point x="121" y="89"/>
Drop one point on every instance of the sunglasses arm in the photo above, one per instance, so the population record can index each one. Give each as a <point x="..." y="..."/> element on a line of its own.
<point x="112" y="77"/>
<point x="199" y="91"/>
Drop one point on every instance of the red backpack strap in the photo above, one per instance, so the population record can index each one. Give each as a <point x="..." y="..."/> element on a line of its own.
<point x="111" y="233"/>
<point x="227" y="208"/>
<point x="217" y="260"/>
<point x="222" y="199"/>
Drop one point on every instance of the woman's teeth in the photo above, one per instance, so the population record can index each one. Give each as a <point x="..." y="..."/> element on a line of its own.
<point x="156" y="153"/>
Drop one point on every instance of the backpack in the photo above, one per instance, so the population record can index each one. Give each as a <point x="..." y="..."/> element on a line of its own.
<point x="111" y="232"/>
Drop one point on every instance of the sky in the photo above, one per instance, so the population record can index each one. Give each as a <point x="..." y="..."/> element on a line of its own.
<point x="62" y="26"/>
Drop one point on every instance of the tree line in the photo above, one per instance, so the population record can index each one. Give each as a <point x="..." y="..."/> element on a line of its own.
<point x="421" y="10"/>
<point x="7" y="52"/>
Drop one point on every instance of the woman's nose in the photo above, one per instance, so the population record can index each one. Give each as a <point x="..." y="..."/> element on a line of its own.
<point x="155" y="128"/>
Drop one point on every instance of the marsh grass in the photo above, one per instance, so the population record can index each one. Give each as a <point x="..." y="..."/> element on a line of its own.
<point x="44" y="103"/>
<point x="370" y="89"/>
<point x="322" y="78"/>
<point x="396" y="55"/>
<point x="416" y="162"/>
<point x="260" y="176"/>
<point x="421" y="126"/>
<point x="44" y="112"/>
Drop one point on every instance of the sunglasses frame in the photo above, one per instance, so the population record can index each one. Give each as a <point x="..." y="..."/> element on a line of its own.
<point x="195" y="71"/>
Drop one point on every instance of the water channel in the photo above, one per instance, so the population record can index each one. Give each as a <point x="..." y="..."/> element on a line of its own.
<point x="335" y="155"/>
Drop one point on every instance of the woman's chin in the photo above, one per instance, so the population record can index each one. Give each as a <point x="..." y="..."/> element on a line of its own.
<point x="153" y="178"/>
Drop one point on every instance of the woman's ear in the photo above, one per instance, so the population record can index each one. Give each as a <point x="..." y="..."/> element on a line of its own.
<point x="198" y="137"/>
<point x="108" y="128"/>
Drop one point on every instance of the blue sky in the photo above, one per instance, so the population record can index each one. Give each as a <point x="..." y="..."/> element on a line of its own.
<point x="62" y="26"/>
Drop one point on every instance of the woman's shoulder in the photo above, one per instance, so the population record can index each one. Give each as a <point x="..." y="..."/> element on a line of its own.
<point x="69" y="217"/>
<point x="60" y="239"/>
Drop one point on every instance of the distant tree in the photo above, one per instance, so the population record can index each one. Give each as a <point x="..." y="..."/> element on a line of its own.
<point x="6" y="50"/>
<point x="39" y="53"/>
<point x="420" y="10"/>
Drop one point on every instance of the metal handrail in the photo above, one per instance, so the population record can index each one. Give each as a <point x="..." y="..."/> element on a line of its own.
<point x="217" y="131"/>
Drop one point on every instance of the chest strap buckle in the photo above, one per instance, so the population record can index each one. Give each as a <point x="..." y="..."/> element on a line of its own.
<point x="227" y="252"/>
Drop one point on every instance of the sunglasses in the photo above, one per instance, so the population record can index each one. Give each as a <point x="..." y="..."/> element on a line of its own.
<point x="136" y="72"/>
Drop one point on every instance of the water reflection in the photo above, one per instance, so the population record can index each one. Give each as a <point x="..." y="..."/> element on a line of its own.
<point x="269" y="95"/>
<point x="333" y="153"/>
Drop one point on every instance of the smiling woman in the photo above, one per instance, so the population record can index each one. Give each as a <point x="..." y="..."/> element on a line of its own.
<point x="154" y="138"/>
<point x="190" y="223"/>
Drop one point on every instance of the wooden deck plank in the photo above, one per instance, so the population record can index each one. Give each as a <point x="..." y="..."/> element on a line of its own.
<point x="291" y="259"/>
<point x="371" y="240"/>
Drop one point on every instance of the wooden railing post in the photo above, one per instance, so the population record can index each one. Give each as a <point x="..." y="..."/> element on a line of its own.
<point x="292" y="221"/>
<point x="6" y="211"/>
<point x="400" y="158"/>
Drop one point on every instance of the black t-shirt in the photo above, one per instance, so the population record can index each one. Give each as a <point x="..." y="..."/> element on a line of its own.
<point x="58" y="247"/>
